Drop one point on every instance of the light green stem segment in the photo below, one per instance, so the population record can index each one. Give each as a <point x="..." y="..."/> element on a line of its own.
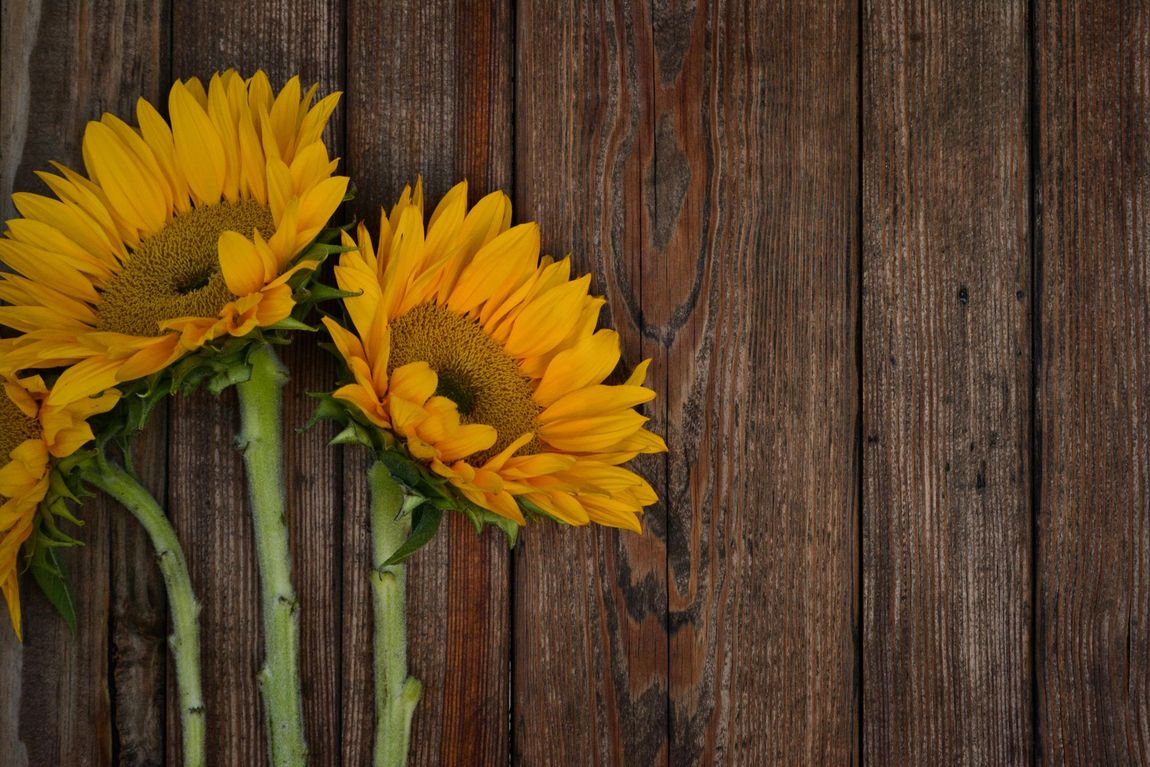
<point x="261" y="399"/>
<point x="396" y="694"/>
<point x="185" y="638"/>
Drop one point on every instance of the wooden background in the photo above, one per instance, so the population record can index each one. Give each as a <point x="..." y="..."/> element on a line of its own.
<point x="892" y="261"/>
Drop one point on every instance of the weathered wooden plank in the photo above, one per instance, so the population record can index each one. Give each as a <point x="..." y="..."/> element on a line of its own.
<point x="139" y="618"/>
<point x="66" y="713"/>
<point x="63" y="64"/>
<point x="207" y="503"/>
<point x="429" y="92"/>
<point x="19" y="27"/>
<point x="1093" y="382"/>
<point x="283" y="39"/>
<point x="675" y="209"/>
<point x="946" y="384"/>
<point x="763" y="394"/>
<point x="590" y="604"/>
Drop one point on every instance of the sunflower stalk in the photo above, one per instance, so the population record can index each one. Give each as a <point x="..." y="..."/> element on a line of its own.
<point x="261" y="404"/>
<point x="185" y="638"/>
<point x="396" y="693"/>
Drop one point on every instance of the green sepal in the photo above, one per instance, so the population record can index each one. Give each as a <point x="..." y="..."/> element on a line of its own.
<point x="59" y="508"/>
<point x="58" y="486"/>
<point x="353" y="434"/>
<point x="327" y="409"/>
<point x="403" y="468"/>
<point x="230" y="376"/>
<point x="425" y="521"/>
<point x="319" y="292"/>
<point x="50" y="576"/>
<point x="481" y="517"/>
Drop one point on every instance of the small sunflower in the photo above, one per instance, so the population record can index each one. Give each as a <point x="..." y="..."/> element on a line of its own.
<point x="33" y="433"/>
<point x="484" y="360"/>
<point x="179" y="234"/>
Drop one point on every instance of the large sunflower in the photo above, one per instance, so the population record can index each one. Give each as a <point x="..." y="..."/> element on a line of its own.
<point x="32" y="434"/>
<point x="484" y="360"/>
<point x="178" y="235"/>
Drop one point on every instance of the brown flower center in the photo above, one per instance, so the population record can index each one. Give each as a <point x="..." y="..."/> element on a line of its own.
<point x="15" y="427"/>
<point x="474" y="372"/>
<point x="176" y="272"/>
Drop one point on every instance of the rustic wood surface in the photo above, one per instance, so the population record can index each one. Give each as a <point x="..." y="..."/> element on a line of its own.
<point x="892" y="263"/>
<point x="1092" y="669"/>
<point x="946" y="384"/>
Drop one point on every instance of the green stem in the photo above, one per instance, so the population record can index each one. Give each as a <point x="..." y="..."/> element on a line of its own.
<point x="185" y="638"/>
<point x="261" y="400"/>
<point x="396" y="694"/>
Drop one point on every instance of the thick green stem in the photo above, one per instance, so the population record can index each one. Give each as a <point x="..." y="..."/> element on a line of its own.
<point x="261" y="400"/>
<point x="396" y="694"/>
<point x="185" y="638"/>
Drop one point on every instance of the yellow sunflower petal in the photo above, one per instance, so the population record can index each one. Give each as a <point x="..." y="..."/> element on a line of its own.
<point x="639" y="375"/>
<point x="199" y="150"/>
<point x="284" y="116"/>
<point x="241" y="264"/>
<point x="158" y="135"/>
<point x="592" y="434"/>
<point x="498" y="268"/>
<point x="74" y="224"/>
<point x="85" y="378"/>
<point x="467" y="440"/>
<point x="221" y="116"/>
<point x="414" y="382"/>
<point x="11" y="590"/>
<point x="588" y="362"/>
<point x="593" y="400"/>
<point x="121" y="178"/>
<point x="536" y="330"/>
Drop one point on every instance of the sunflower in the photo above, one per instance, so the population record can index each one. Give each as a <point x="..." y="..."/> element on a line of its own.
<point x="179" y="234"/>
<point x="33" y="433"/>
<point x="483" y="359"/>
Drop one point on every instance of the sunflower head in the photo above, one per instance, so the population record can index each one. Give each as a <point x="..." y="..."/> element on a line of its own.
<point x="480" y="362"/>
<point x="180" y="234"/>
<point x="35" y="439"/>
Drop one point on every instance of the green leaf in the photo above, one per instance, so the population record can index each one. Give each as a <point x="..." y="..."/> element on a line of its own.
<point x="320" y="292"/>
<point x="425" y="523"/>
<point x="53" y="581"/>
<point x="291" y="323"/>
<point x="402" y="468"/>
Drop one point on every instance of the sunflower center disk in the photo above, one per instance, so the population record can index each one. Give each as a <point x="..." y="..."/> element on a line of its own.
<point x="474" y="372"/>
<point x="15" y="427"/>
<point x="176" y="272"/>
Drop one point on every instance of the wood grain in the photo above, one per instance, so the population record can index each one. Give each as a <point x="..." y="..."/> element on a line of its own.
<point x="666" y="189"/>
<point x="139" y="617"/>
<point x="906" y="515"/>
<point x="63" y="64"/>
<point x="283" y="39"/>
<point x="946" y="385"/>
<point x="1093" y="382"/>
<point x="429" y="93"/>
<point x="763" y="395"/>
<point x="590" y="604"/>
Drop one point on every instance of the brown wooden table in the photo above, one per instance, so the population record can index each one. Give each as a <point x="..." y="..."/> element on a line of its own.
<point x="892" y="261"/>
